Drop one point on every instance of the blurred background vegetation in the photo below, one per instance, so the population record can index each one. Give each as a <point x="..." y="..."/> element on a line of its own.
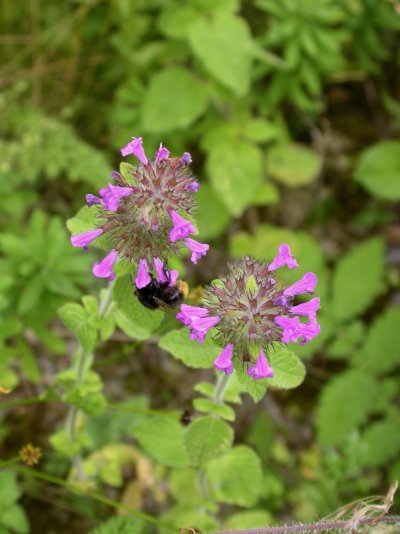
<point x="290" y="110"/>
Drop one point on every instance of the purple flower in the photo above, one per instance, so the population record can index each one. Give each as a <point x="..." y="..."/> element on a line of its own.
<point x="135" y="147"/>
<point x="193" y="187"/>
<point x="186" y="159"/>
<point x="197" y="249"/>
<point x="162" y="153"/>
<point x="83" y="240"/>
<point x="293" y="329"/>
<point x="188" y="314"/>
<point x="261" y="369"/>
<point x="181" y="229"/>
<point x="224" y="361"/>
<point x="92" y="199"/>
<point x="304" y="285"/>
<point x="306" y="308"/>
<point x="143" y="278"/>
<point x="104" y="268"/>
<point x="249" y="303"/>
<point x="283" y="258"/>
<point x="200" y="326"/>
<point x="112" y="194"/>
<point x="160" y="270"/>
<point x="173" y="277"/>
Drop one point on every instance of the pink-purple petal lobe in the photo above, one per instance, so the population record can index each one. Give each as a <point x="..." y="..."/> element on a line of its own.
<point x="135" y="147"/>
<point x="143" y="277"/>
<point x="294" y="330"/>
<point x="160" y="269"/>
<point x="306" y="284"/>
<point x="112" y="194"/>
<point x="224" y="361"/>
<point x="306" y="308"/>
<point x="193" y="187"/>
<point x="162" y="153"/>
<point x="189" y="313"/>
<point x="104" y="268"/>
<point x="185" y="159"/>
<point x="181" y="227"/>
<point x="83" y="240"/>
<point x="261" y="369"/>
<point x="197" y="249"/>
<point x="92" y="199"/>
<point x="173" y="277"/>
<point x="283" y="258"/>
<point x="200" y="326"/>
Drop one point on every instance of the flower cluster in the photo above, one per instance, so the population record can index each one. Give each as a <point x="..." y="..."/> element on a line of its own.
<point x="145" y="214"/>
<point x="250" y="308"/>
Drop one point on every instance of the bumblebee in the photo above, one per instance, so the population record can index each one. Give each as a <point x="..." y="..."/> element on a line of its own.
<point x="161" y="295"/>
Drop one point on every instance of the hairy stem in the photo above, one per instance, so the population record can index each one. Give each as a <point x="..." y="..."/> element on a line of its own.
<point x="220" y="387"/>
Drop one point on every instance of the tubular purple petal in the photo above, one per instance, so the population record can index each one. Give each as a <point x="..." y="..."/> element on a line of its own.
<point x="135" y="147"/>
<point x="193" y="187"/>
<point x="83" y="240"/>
<point x="181" y="229"/>
<point x="197" y="249"/>
<point x="104" y="268"/>
<point x="293" y="329"/>
<point x="283" y="258"/>
<point x="306" y="308"/>
<point x="112" y="194"/>
<point x="306" y="284"/>
<point x="143" y="278"/>
<point x="160" y="270"/>
<point x="186" y="159"/>
<point x="173" y="277"/>
<point x="261" y="369"/>
<point x="224" y="361"/>
<point x="200" y="326"/>
<point x="189" y="313"/>
<point x="162" y="153"/>
<point x="92" y="199"/>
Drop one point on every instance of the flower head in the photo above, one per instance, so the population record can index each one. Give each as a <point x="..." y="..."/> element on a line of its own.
<point x="249" y="307"/>
<point x="145" y="212"/>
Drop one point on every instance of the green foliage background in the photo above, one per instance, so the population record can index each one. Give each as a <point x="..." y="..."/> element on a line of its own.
<point x="290" y="112"/>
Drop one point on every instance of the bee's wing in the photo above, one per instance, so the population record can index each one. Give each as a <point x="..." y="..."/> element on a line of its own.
<point x="167" y="308"/>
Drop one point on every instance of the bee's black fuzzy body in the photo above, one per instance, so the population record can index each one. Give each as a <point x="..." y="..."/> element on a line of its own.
<point x="157" y="294"/>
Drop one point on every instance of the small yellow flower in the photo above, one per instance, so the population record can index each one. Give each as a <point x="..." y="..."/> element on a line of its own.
<point x="30" y="455"/>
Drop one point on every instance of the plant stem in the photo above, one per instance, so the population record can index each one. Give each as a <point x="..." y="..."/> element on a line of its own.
<point x="107" y="301"/>
<point x="220" y="387"/>
<point x="93" y="495"/>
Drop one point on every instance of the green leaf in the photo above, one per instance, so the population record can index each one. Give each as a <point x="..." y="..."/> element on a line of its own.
<point x="289" y="372"/>
<point x="121" y="525"/>
<point x="235" y="170"/>
<point x="212" y="217"/>
<point x="255" y="388"/>
<point x="381" y="442"/>
<point x="357" y="280"/>
<point x="184" y="486"/>
<point x="344" y="405"/>
<point x="381" y="351"/>
<point x="206" y="438"/>
<point x="293" y="164"/>
<point x="191" y="353"/>
<point x="9" y="491"/>
<point x="235" y="478"/>
<point x="268" y="193"/>
<point x="15" y="519"/>
<point x="347" y="336"/>
<point x="208" y="406"/>
<point x="161" y="437"/>
<point x="131" y="316"/>
<point x="223" y="43"/>
<point x="378" y="170"/>
<point x="174" y="99"/>
<point x="31" y="294"/>
<point x="249" y="519"/>
<point x="75" y="317"/>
